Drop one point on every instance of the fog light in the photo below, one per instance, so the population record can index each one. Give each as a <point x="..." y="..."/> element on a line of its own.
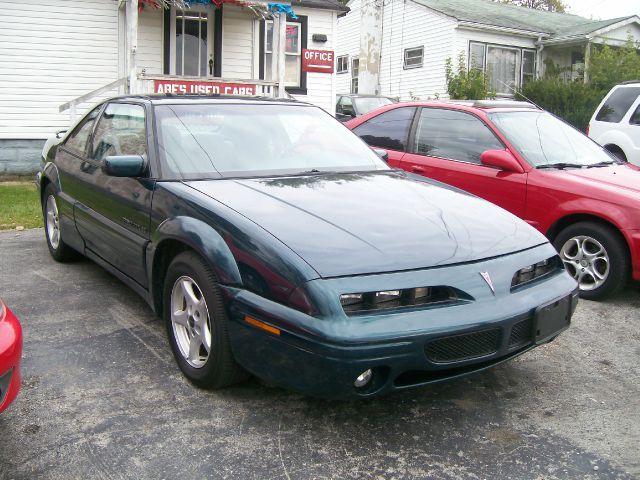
<point x="363" y="379"/>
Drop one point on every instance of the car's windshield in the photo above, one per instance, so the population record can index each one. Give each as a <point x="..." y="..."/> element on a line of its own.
<point x="245" y="140"/>
<point x="366" y="104"/>
<point x="543" y="139"/>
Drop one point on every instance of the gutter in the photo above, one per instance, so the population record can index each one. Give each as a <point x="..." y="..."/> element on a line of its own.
<point x="497" y="28"/>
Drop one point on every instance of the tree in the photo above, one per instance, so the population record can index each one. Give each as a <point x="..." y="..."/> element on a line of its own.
<point x="466" y="84"/>
<point x="549" y="5"/>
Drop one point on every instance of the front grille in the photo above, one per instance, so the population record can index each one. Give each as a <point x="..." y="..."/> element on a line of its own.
<point x="463" y="347"/>
<point x="521" y="333"/>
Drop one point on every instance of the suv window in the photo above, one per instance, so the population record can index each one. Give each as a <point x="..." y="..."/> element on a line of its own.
<point x="453" y="135"/>
<point x="77" y="141"/>
<point x="120" y="131"/>
<point x="345" y="106"/>
<point x="635" y="118"/>
<point x="387" y="130"/>
<point x="618" y="103"/>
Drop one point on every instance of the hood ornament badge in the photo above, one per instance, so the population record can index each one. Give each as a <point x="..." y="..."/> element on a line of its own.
<point x="487" y="278"/>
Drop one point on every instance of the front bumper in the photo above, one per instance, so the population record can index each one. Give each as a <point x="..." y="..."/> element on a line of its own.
<point x="10" y="354"/>
<point x="406" y="348"/>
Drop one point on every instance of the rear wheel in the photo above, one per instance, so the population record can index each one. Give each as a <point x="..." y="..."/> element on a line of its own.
<point x="59" y="250"/>
<point x="196" y="323"/>
<point x="596" y="256"/>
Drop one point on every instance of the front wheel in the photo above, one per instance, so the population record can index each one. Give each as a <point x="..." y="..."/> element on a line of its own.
<point x="596" y="256"/>
<point x="196" y="324"/>
<point x="58" y="249"/>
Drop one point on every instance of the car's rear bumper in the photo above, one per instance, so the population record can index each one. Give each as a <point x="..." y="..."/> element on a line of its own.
<point x="10" y="353"/>
<point x="405" y="349"/>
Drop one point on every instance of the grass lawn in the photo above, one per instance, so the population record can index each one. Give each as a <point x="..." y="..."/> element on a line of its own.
<point x="19" y="205"/>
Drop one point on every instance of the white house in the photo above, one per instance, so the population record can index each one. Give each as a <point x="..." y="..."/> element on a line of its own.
<point x="59" y="57"/>
<point x="399" y="48"/>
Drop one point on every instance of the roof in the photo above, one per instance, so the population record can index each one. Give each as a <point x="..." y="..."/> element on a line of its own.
<point x="168" y="98"/>
<point x="487" y="12"/>
<point x="322" y="4"/>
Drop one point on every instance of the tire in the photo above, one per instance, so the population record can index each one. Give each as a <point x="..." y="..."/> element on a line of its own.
<point x="596" y="256"/>
<point x="195" y="316"/>
<point x="60" y="251"/>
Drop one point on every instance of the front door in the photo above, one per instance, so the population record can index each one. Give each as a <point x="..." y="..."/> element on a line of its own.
<point x="113" y="213"/>
<point x="446" y="147"/>
<point x="191" y="42"/>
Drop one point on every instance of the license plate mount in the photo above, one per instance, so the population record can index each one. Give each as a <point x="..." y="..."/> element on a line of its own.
<point x="551" y="319"/>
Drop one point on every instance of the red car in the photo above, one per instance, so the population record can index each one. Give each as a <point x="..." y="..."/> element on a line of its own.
<point x="529" y="162"/>
<point x="10" y="353"/>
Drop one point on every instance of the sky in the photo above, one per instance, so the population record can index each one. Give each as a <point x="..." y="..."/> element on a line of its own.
<point x="603" y="9"/>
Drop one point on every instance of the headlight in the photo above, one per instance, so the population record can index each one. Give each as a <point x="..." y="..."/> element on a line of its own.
<point x="385" y="299"/>
<point x="535" y="271"/>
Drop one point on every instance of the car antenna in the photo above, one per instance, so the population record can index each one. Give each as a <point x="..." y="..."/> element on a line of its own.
<point x="516" y="92"/>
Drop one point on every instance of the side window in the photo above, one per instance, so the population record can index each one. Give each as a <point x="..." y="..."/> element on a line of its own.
<point x="77" y="141"/>
<point x="387" y="130"/>
<point x="453" y="135"/>
<point x="635" y="118"/>
<point x="120" y="131"/>
<point x="618" y="103"/>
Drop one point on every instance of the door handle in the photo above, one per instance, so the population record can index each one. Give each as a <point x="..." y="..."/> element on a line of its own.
<point x="417" y="169"/>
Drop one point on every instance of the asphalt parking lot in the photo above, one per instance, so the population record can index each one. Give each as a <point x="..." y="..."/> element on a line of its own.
<point x="102" y="398"/>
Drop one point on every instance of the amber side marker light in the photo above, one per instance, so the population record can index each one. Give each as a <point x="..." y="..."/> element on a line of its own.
<point x="261" y="325"/>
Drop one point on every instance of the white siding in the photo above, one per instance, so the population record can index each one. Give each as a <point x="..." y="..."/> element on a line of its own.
<point x="320" y="86"/>
<point x="150" y="41"/>
<point x="237" y="43"/>
<point x="52" y="51"/>
<point x="408" y="25"/>
<point x="620" y="35"/>
<point x="348" y="43"/>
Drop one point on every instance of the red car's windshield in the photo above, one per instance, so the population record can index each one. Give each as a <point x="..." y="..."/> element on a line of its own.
<point x="543" y="139"/>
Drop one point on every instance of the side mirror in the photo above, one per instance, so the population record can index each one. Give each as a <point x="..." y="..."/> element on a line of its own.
<point x="124" y="165"/>
<point x="60" y="134"/>
<point x="502" y="159"/>
<point x="383" y="154"/>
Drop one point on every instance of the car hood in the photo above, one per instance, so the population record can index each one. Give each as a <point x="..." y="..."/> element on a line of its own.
<point x="370" y="222"/>
<point x="626" y="176"/>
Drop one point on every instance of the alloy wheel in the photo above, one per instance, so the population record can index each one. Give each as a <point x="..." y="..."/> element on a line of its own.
<point x="52" y="222"/>
<point x="190" y="321"/>
<point x="587" y="260"/>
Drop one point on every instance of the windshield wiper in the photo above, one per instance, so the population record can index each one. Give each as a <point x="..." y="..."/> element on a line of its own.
<point x="603" y="164"/>
<point x="560" y="165"/>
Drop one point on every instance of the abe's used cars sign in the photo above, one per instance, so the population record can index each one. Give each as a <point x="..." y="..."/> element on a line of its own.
<point x="317" y="61"/>
<point x="186" y="87"/>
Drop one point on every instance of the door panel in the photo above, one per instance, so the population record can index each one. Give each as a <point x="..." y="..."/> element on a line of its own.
<point x="112" y="213"/>
<point x="447" y="148"/>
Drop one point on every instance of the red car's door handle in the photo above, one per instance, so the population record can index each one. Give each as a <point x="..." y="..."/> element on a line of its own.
<point x="417" y="169"/>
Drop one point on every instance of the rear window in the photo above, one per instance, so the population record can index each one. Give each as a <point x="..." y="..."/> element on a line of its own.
<point x="617" y="104"/>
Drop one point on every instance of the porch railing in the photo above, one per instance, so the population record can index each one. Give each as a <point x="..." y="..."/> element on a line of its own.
<point x="122" y="83"/>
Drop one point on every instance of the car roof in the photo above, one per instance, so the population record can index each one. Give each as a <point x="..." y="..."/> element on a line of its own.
<point x="167" y="98"/>
<point x="472" y="105"/>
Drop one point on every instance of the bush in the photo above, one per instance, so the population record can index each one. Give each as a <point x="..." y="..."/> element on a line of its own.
<point x="467" y="84"/>
<point x="576" y="101"/>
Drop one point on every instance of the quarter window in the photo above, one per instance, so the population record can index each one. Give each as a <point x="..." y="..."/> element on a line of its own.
<point x="342" y="64"/>
<point x="453" y="135"/>
<point x="618" y="103"/>
<point x="120" y="131"/>
<point x="635" y="118"/>
<point x="388" y="130"/>
<point x="77" y="141"/>
<point x="413" y="57"/>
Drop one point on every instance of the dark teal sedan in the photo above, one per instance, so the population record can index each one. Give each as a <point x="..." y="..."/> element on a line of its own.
<point x="274" y="242"/>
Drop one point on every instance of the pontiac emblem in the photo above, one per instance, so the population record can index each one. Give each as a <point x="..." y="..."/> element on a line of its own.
<point x="487" y="278"/>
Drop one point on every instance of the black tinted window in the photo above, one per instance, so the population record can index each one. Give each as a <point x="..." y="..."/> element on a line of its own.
<point x="618" y="104"/>
<point x="387" y="130"/>
<point x="454" y="135"/>
<point x="77" y="141"/>
<point x="635" y="118"/>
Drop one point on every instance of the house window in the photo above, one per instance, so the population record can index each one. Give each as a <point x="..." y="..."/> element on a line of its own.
<point x="293" y="50"/>
<point x="507" y="68"/>
<point x="528" y="66"/>
<point x="355" y="63"/>
<point x="342" y="64"/>
<point x="413" y="57"/>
